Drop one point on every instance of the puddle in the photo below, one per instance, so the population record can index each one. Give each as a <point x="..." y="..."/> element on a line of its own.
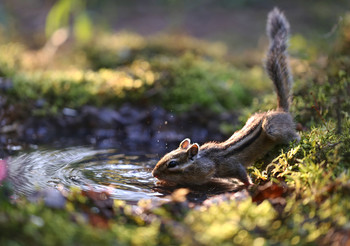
<point x="125" y="177"/>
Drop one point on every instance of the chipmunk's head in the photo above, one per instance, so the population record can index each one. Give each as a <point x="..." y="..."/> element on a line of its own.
<point x="177" y="165"/>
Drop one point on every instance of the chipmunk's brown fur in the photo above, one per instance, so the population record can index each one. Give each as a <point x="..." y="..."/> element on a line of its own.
<point x="194" y="164"/>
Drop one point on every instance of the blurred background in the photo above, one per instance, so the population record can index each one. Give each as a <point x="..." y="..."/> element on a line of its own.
<point x="153" y="72"/>
<point x="239" y="23"/>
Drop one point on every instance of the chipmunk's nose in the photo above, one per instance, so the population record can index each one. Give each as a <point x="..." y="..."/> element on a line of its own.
<point x="154" y="173"/>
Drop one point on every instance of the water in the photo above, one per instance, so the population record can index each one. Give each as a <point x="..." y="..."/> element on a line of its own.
<point x="125" y="177"/>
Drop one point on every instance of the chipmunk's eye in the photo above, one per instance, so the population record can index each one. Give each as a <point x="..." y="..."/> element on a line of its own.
<point x="172" y="164"/>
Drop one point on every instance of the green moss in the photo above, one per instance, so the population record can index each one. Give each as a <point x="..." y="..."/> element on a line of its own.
<point x="77" y="87"/>
<point x="235" y="222"/>
<point x="172" y="80"/>
<point x="110" y="51"/>
<point x="190" y="81"/>
<point x="10" y="59"/>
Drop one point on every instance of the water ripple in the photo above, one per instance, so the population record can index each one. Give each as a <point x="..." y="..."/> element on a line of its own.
<point x="126" y="177"/>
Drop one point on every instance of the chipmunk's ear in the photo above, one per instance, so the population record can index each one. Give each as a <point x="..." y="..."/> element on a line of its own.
<point x="193" y="150"/>
<point x="185" y="143"/>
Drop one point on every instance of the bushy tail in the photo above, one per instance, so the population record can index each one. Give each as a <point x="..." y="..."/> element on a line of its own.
<point x="277" y="64"/>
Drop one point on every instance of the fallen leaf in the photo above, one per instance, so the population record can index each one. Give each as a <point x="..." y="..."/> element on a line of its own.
<point x="268" y="191"/>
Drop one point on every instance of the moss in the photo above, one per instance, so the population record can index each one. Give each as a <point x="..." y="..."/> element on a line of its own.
<point x="190" y="81"/>
<point x="78" y="87"/>
<point x="110" y="51"/>
<point x="10" y="59"/>
<point x="178" y="80"/>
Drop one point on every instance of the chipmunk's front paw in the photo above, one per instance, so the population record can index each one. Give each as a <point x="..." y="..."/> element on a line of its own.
<point x="165" y="183"/>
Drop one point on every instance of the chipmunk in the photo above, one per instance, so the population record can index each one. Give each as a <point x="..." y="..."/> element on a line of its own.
<point x="194" y="164"/>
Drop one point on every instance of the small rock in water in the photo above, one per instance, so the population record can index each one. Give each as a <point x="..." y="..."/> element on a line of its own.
<point x="5" y="84"/>
<point x="69" y="112"/>
<point x="52" y="198"/>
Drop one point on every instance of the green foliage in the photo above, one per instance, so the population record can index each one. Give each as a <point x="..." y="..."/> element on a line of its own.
<point x="300" y="47"/>
<point x="323" y="99"/>
<point x="342" y="45"/>
<point x="322" y="87"/>
<point x="241" y="223"/>
<point x="60" y="16"/>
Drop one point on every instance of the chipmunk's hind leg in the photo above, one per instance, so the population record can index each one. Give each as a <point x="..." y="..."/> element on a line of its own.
<point x="280" y="127"/>
<point x="243" y="176"/>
